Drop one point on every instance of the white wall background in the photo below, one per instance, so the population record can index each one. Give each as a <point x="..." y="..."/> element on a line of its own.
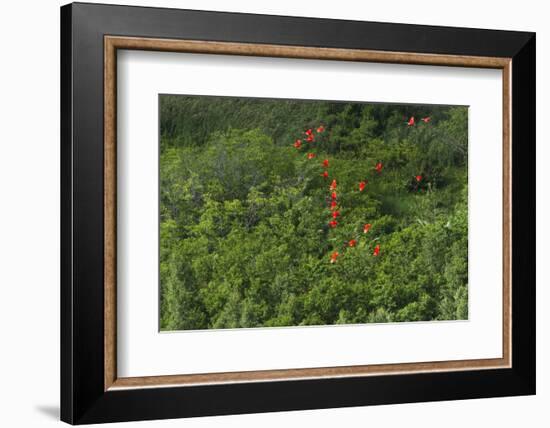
<point x="29" y="214"/>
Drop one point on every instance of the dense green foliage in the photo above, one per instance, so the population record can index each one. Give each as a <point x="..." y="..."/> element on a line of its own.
<point x="244" y="234"/>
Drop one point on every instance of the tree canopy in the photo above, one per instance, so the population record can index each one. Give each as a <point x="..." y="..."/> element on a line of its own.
<point x="254" y="232"/>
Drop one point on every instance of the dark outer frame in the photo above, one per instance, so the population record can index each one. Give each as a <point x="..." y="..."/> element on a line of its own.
<point x="83" y="398"/>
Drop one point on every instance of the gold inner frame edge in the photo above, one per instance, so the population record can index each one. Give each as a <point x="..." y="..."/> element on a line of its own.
<point x="113" y="43"/>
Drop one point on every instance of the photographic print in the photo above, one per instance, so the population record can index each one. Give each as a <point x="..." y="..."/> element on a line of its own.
<point x="288" y="212"/>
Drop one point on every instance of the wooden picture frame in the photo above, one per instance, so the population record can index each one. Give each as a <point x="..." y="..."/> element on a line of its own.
<point x="91" y="390"/>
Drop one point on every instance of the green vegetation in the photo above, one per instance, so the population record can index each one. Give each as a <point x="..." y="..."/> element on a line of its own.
<point x="245" y="234"/>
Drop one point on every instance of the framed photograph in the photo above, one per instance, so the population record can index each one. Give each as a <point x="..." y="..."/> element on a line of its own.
<point x="266" y="213"/>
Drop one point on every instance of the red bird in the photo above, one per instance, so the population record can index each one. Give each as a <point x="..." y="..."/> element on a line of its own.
<point x="298" y="144"/>
<point x="366" y="227"/>
<point x="333" y="205"/>
<point x="379" y="167"/>
<point x="334" y="256"/>
<point x="325" y="174"/>
<point x="333" y="185"/>
<point x="325" y="163"/>
<point x="333" y="195"/>
<point x="335" y="214"/>
<point x="411" y="121"/>
<point x="309" y="132"/>
<point x="376" y="250"/>
<point x="426" y="119"/>
<point x="310" y="155"/>
<point x="320" y="129"/>
<point x="333" y="223"/>
<point x="352" y="243"/>
<point x="418" y="178"/>
<point x="310" y="138"/>
<point x="362" y="185"/>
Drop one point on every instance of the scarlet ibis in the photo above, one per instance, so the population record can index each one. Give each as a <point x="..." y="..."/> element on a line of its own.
<point x="352" y="243"/>
<point x="379" y="167"/>
<point x="310" y="155"/>
<point x="426" y="119"/>
<point x="333" y="223"/>
<point x="334" y="256"/>
<point x="376" y="250"/>
<point x="366" y="227"/>
<point x="362" y="185"/>
<point x="411" y="121"/>
<point x="298" y="144"/>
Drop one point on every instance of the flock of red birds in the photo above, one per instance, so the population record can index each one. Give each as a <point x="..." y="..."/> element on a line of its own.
<point x="333" y="205"/>
<point x="424" y="119"/>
